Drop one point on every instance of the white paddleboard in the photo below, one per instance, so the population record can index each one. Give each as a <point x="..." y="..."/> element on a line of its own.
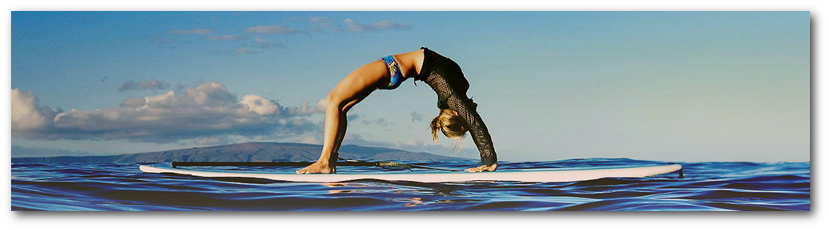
<point x="531" y="175"/>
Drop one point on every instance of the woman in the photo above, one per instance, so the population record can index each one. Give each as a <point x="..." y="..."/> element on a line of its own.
<point x="457" y="115"/>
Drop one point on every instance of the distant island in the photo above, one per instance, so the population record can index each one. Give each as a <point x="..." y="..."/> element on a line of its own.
<point x="249" y="152"/>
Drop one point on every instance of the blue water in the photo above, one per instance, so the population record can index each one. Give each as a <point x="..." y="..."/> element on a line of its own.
<point x="706" y="186"/>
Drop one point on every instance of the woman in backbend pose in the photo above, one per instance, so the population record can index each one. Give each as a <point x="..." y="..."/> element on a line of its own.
<point x="457" y="112"/>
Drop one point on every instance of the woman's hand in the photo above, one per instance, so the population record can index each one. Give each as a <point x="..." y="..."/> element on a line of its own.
<point x="483" y="168"/>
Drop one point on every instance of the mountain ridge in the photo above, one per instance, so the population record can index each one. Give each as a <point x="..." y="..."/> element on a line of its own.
<point x="249" y="152"/>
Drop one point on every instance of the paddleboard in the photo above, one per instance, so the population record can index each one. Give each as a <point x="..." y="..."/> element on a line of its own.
<point x="528" y="175"/>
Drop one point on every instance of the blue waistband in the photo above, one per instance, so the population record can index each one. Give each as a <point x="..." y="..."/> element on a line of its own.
<point x="395" y="76"/>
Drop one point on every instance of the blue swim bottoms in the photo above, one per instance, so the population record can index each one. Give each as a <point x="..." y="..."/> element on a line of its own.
<point x="395" y="76"/>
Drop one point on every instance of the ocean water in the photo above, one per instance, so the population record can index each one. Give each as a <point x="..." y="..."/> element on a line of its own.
<point x="706" y="186"/>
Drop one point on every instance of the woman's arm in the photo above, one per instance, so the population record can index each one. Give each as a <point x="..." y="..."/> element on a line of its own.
<point x="454" y="97"/>
<point x="480" y="135"/>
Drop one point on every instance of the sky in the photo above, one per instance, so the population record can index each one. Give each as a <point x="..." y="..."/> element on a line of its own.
<point x="667" y="86"/>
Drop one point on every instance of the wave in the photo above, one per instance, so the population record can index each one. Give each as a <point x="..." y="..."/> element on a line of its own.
<point x="706" y="186"/>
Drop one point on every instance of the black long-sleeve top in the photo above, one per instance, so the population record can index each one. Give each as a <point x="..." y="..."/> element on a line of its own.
<point x="447" y="80"/>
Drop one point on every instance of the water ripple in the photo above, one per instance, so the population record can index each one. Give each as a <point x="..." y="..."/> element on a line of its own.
<point x="714" y="186"/>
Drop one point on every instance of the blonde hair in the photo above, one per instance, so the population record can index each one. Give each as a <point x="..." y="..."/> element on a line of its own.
<point x="451" y="125"/>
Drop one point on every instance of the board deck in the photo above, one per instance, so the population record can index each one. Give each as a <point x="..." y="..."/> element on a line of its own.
<point x="529" y="175"/>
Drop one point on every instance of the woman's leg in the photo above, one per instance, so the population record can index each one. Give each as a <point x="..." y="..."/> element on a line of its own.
<point x="350" y="91"/>
<point x="343" y="124"/>
<point x="336" y="124"/>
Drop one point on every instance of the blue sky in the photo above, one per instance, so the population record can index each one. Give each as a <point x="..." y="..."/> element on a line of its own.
<point x="672" y="86"/>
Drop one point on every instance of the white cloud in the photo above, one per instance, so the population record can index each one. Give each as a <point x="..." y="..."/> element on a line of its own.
<point x="311" y="24"/>
<point x="223" y="37"/>
<point x="322" y="20"/>
<point x="323" y="24"/>
<point x="377" y="26"/>
<point x="262" y="43"/>
<point x="306" y="109"/>
<point x="143" y="85"/>
<point x="26" y="114"/>
<point x="204" y="113"/>
<point x="416" y="116"/>
<point x="410" y="144"/>
<point x="273" y="29"/>
<point x="259" y="105"/>
<point x="191" y="31"/>
<point x="389" y="25"/>
<point x="244" y="51"/>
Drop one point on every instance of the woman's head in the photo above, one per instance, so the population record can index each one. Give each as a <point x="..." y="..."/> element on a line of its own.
<point x="450" y="124"/>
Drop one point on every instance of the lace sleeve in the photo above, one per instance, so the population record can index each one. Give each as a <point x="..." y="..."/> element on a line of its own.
<point x="455" y="98"/>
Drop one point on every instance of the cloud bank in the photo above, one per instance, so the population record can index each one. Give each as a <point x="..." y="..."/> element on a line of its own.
<point x="377" y="26"/>
<point x="313" y="24"/>
<point x="143" y="85"/>
<point x="327" y="25"/>
<point x="207" y="111"/>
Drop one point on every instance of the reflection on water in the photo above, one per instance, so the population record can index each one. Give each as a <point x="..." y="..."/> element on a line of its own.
<point x="712" y="186"/>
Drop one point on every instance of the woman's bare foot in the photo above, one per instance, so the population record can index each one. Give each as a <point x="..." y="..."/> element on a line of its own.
<point x="317" y="167"/>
